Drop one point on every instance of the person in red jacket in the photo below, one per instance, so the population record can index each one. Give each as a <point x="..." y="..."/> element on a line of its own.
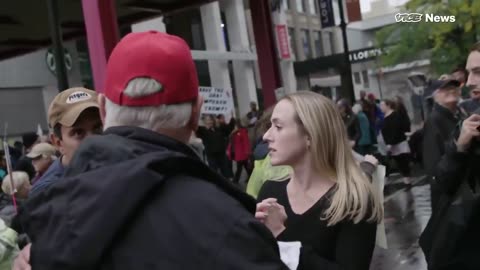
<point x="239" y="150"/>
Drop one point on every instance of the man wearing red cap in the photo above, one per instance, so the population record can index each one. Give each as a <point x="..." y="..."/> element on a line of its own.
<point x="138" y="197"/>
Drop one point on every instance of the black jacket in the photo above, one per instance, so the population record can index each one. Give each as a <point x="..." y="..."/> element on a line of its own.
<point x="134" y="199"/>
<point x="437" y="132"/>
<point x="215" y="139"/>
<point x="393" y="130"/>
<point x="451" y="239"/>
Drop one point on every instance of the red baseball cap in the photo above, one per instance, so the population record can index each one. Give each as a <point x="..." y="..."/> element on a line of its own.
<point x="159" y="56"/>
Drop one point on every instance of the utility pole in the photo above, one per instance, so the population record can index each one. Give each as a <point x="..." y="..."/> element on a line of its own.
<point x="346" y="73"/>
<point x="58" y="51"/>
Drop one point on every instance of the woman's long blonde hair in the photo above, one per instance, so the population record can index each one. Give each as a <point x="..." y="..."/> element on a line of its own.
<point x="354" y="198"/>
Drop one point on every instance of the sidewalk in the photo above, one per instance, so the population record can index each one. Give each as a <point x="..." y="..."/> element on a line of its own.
<point x="407" y="211"/>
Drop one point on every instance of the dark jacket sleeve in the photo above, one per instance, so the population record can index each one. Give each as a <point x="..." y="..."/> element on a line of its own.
<point x="238" y="253"/>
<point x="201" y="132"/>
<point x="433" y="148"/>
<point x="451" y="169"/>
<point x="354" y="249"/>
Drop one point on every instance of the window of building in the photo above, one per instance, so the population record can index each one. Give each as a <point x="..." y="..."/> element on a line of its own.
<point x="312" y="4"/>
<point x="291" y="37"/>
<point x="356" y="78"/>
<point x="301" y="8"/>
<point x="306" y="43"/>
<point x="331" y="41"/>
<point x="285" y="4"/>
<point x="366" y="82"/>
<point x="317" y="37"/>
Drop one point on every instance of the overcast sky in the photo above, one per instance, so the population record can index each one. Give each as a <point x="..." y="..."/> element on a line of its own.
<point x="366" y="7"/>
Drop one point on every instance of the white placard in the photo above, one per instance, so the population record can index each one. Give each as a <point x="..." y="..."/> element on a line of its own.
<point x="217" y="101"/>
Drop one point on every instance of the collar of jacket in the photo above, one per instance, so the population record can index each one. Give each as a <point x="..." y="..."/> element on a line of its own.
<point x="150" y="137"/>
<point x="447" y="113"/>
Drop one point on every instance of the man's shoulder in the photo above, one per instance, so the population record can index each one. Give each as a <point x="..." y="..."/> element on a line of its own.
<point x="207" y="196"/>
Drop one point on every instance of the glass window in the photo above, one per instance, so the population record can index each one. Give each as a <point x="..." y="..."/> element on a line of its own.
<point x="301" y="6"/>
<point x="332" y="42"/>
<point x="312" y="6"/>
<point x="293" y="45"/>
<point x="356" y="77"/>
<point x="306" y="43"/>
<point x="317" y="37"/>
<point x="285" y="4"/>
<point x="366" y="82"/>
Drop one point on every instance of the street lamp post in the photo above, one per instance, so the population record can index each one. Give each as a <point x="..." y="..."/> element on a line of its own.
<point x="58" y="51"/>
<point x="347" y="82"/>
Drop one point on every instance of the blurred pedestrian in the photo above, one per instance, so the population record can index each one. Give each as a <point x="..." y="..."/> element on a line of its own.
<point x="24" y="164"/>
<point x="350" y="121"/>
<point x="365" y="143"/>
<point x="42" y="155"/>
<point x="240" y="150"/>
<point x="393" y="133"/>
<point x="214" y="139"/>
<point x="21" y="184"/>
<point x="439" y="127"/>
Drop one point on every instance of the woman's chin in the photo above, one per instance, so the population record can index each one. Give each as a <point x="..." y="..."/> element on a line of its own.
<point x="276" y="162"/>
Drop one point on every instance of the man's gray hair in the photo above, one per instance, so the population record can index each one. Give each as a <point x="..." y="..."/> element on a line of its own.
<point x="153" y="118"/>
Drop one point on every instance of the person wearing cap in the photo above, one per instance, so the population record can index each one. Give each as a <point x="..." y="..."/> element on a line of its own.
<point x="73" y="115"/>
<point x="138" y="197"/>
<point x="439" y="126"/>
<point x="42" y="155"/>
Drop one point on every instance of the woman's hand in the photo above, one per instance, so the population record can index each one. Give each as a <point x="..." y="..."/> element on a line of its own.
<point x="272" y="214"/>
<point x="371" y="159"/>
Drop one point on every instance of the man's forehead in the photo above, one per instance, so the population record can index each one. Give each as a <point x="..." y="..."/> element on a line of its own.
<point x="473" y="61"/>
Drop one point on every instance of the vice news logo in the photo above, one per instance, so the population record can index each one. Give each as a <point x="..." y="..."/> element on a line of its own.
<point x="418" y="17"/>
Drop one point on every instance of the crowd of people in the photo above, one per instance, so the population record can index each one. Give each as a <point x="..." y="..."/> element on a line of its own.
<point x="135" y="177"/>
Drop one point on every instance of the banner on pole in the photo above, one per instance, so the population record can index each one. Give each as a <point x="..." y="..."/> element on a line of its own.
<point x="217" y="101"/>
<point x="327" y="17"/>
<point x="283" y="41"/>
<point x="353" y="10"/>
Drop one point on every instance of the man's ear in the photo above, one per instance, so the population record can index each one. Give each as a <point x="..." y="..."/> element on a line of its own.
<point x="195" y="117"/>
<point x="57" y="142"/>
<point x="101" y="103"/>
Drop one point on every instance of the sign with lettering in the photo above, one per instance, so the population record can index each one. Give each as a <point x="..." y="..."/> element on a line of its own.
<point x="217" y="101"/>
<point x="283" y="40"/>
<point x="326" y="13"/>
<point x="365" y="54"/>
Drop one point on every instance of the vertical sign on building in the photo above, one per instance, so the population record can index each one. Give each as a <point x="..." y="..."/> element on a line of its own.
<point x="326" y="13"/>
<point x="283" y="41"/>
<point x="353" y="10"/>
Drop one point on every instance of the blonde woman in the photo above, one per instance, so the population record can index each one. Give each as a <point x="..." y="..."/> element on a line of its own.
<point x="328" y="204"/>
